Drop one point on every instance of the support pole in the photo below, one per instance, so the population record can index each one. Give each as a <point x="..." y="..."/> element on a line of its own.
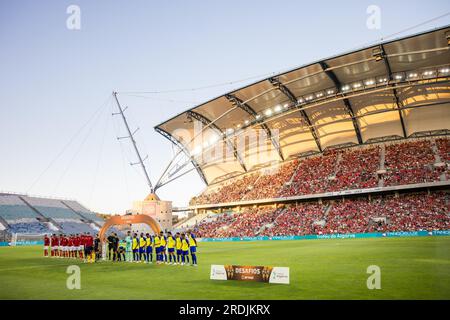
<point x="130" y="135"/>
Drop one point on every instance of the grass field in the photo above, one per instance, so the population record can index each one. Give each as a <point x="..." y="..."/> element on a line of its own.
<point x="411" y="268"/>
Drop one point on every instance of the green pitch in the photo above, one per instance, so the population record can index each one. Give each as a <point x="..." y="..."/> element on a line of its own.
<point x="411" y="268"/>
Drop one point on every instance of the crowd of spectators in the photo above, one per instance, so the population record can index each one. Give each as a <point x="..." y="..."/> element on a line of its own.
<point x="443" y="146"/>
<point x="356" y="170"/>
<point x="409" y="212"/>
<point x="270" y="183"/>
<point x="232" y="191"/>
<point x="410" y="162"/>
<point x="312" y="175"/>
<point x="300" y="219"/>
<point x="405" y="163"/>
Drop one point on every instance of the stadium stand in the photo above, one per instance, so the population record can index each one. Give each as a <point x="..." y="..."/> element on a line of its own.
<point x="13" y="208"/>
<point x="410" y="162"/>
<point x="70" y="226"/>
<point x="409" y="212"/>
<point x="405" y="163"/>
<point x="297" y="220"/>
<point x="51" y="208"/>
<point x="28" y="226"/>
<point x="25" y="214"/>
<point x="83" y="211"/>
<point x="269" y="183"/>
<point x="443" y="146"/>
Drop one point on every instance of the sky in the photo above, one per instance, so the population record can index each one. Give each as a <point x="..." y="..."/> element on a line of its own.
<point x="57" y="134"/>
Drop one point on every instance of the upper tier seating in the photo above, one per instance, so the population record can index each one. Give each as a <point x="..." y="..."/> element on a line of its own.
<point x="410" y="162"/>
<point x="51" y="208"/>
<point x="12" y="208"/>
<point x="76" y="206"/>
<point x="406" y="162"/>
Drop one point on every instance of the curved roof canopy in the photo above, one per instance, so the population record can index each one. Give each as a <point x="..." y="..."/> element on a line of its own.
<point x="394" y="89"/>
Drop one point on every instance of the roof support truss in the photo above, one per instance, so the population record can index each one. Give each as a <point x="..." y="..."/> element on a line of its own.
<point x="205" y="121"/>
<point x="169" y="137"/>
<point x="397" y="101"/>
<point x="285" y="90"/>
<point x="332" y="76"/>
<point x="244" y="106"/>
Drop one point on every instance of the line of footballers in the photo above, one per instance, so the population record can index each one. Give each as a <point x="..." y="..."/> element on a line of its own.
<point x="76" y="246"/>
<point x="168" y="248"/>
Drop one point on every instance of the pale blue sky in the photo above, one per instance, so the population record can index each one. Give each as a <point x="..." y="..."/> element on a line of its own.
<point x="53" y="79"/>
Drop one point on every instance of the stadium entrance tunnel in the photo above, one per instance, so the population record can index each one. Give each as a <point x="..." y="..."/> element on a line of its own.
<point x="129" y="219"/>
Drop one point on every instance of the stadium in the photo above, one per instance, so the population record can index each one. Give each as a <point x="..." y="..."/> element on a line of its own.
<point x="327" y="169"/>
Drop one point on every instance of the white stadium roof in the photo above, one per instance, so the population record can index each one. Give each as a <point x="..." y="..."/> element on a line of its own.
<point x="395" y="89"/>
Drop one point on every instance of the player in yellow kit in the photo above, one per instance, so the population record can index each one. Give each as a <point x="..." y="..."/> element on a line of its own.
<point x="149" y="248"/>
<point x="135" y="247"/>
<point x="192" y="247"/>
<point x="178" y="247"/>
<point x="184" y="250"/>
<point x="162" y="247"/>
<point x="156" y="244"/>
<point x="171" y="247"/>
<point x="142" y="245"/>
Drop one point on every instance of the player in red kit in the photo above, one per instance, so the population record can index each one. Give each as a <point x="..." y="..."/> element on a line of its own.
<point x="90" y="255"/>
<point x="46" y="245"/>
<point x="83" y="246"/>
<point x="63" y="245"/>
<point x="60" y="241"/>
<point x="76" y="245"/>
<point x="70" y="246"/>
<point x="55" y="245"/>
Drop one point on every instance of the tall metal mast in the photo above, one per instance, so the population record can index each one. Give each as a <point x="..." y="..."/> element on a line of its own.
<point x="130" y="136"/>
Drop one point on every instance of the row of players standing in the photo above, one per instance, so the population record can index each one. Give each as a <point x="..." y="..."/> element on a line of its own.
<point x="168" y="248"/>
<point x="81" y="245"/>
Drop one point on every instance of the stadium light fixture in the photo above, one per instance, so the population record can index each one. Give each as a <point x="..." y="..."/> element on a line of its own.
<point x="330" y="91"/>
<point x="310" y="97"/>
<point x="277" y="108"/>
<point x="357" y="85"/>
<point x="258" y="116"/>
<point x="346" y="87"/>
<point x="230" y="130"/>
<point x="369" y="82"/>
<point x="300" y="100"/>
<point x="444" y="70"/>
<point x="398" y="76"/>
<point x="286" y="105"/>
<point x="383" y="80"/>
<point x="268" y="112"/>
<point x="412" y="75"/>
<point x="319" y="94"/>
<point x="246" y="122"/>
<point x="428" y="73"/>
<point x="377" y="53"/>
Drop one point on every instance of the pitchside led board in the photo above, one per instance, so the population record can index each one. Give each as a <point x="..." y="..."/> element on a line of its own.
<point x="250" y="273"/>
